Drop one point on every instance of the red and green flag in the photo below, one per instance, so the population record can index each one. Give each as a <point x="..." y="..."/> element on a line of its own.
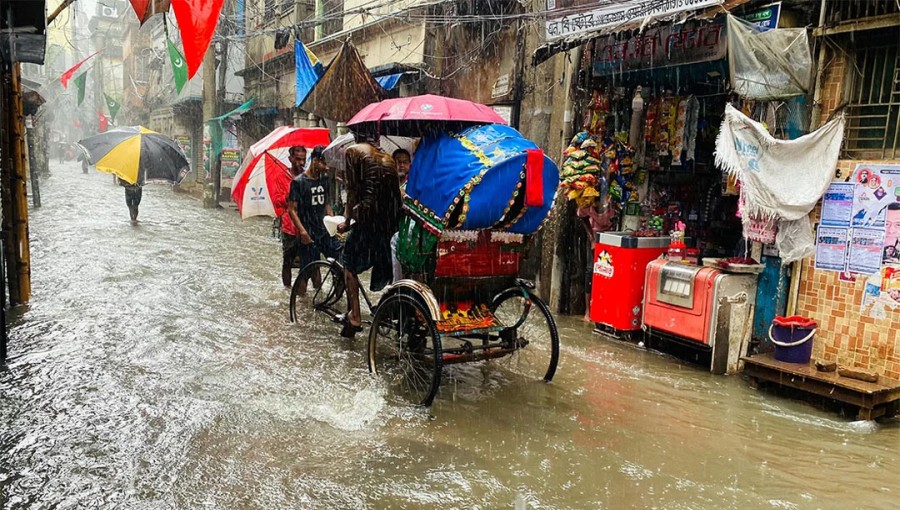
<point x="66" y="76"/>
<point x="80" y="82"/>
<point x="179" y="69"/>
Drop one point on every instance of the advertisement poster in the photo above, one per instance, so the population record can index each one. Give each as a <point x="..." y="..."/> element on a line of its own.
<point x="877" y="187"/>
<point x="837" y="204"/>
<point x="866" y="245"/>
<point x="184" y="142"/>
<point x="831" y="248"/>
<point x="207" y="149"/>
<point x="231" y="160"/>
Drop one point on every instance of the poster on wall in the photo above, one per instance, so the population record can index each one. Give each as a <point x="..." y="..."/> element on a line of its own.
<point x="231" y="160"/>
<point x="831" y="248"/>
<point x="865" y="250"/>
<point x="876" y="187"/>
<point x="184" y="143"/>
<point x="837" y="204"/>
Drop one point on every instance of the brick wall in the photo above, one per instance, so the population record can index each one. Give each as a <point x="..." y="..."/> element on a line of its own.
<point x="845" y="335"/>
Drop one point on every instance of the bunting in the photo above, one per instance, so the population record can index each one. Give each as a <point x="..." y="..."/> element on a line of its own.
<point x="145" y="9"/>
<point x="113" y="106"/>
<point x="179" y="71"/>
<point x="104" y="122"/>
<point x="66" y="76"/>
<point x="80" y="83"/>
<point x="197" y="21"/>
<point x="308" y="71"/>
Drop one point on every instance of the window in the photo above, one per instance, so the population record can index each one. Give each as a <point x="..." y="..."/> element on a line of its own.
<point x="270" y="11"/>
<point x="873" y="105"/>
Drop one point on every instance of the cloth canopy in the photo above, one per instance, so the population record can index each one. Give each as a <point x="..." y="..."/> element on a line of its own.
<point x="780" y="180"/>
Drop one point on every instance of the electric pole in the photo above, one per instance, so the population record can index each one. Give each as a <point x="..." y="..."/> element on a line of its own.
<point x="209" y="111"/>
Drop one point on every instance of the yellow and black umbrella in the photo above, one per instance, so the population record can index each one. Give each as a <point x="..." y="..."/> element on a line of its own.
<point x="136" y="155"/>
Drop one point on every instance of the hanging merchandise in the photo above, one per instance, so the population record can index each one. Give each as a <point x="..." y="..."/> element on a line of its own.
<point x="692" y="112"/>
<point x="593" y="163"/>
<point x="780" y="179"/>
<point x="80" y="83"/>
<point x="179" y="71"/>
<point x="768" y="64"/>
<point x="197" y="20"/>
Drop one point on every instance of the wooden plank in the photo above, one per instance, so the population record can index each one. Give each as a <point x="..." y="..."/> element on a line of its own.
<point x="856" y="25"/>
<point x="810" y="372"/>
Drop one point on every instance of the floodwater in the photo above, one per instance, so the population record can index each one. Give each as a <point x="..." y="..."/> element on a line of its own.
<point x="156" y="368"/>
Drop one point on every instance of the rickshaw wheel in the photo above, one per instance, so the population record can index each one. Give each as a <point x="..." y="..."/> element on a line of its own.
<point x="536" y="339"/>
<point x="328" y="297"/>
<point x="405" y="349"/>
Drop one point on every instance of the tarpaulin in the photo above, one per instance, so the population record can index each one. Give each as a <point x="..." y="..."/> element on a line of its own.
<point x="476" y="177"/>
<point x="780" y="179"/>
<point x="345" y="88"/>
<point x="768" y="64"/>
<point x="390" y="81"/>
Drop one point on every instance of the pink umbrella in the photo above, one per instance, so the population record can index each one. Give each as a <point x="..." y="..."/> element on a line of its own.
<point x="263" y="180"/>
<point x="410" y="116"/>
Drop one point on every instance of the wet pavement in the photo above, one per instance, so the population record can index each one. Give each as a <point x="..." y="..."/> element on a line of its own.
<point x="156" y="368"/>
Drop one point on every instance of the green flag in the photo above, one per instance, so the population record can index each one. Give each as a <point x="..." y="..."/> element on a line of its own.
<point x="179" y="69"/>
<point x="113" y="106"/>
<point x="80" y="81"/>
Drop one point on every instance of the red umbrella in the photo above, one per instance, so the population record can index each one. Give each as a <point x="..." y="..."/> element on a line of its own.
<point x="410" y="116"/>
<point x="264" y="171"/>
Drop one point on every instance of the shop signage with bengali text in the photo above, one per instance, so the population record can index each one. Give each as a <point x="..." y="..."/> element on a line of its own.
<point x="611" y="14"/>
<point x="661" y="47"/>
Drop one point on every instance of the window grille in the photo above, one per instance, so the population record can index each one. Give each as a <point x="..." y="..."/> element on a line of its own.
<point x="847" y="10"/>
<point x="873" y="105"/>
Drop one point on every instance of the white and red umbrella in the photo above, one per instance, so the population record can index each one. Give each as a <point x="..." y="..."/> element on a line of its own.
<point x="263" y="180"/>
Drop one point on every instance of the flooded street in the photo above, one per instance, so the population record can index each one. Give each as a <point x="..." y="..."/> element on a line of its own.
<point x="156" y="368"/>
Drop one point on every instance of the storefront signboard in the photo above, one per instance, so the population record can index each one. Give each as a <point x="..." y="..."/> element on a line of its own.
<point x="766" y="17"/>
<point x="663" y="46"/>
<point x="573" y="17"/>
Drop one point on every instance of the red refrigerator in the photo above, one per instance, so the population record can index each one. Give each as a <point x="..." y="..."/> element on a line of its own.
<point x="617" y="286"/>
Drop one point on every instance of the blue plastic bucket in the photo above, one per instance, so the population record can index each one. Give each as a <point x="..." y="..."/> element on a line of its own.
<point x="793" y="344"/>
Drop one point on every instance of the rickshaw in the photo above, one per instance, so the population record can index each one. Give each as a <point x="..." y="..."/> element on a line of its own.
<point x="470" y="203"/>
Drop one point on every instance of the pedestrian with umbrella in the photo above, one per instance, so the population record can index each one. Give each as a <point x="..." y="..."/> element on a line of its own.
<point x="136" y="155"/>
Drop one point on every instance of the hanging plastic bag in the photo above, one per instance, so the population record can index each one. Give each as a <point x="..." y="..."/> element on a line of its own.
<point x="795" y="240"/>
<point x="768" y="64"/>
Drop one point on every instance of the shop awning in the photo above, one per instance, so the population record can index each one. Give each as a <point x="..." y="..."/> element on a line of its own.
<point x="620" y="17"/>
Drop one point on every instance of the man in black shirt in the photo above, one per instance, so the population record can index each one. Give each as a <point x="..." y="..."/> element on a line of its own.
<point x="307" y="205"/>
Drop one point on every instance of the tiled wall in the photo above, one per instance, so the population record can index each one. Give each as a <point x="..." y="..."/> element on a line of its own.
<point x="845" y="335"/>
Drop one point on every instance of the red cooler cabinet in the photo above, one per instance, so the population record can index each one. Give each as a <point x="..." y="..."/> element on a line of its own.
<point x="617" y="285"/>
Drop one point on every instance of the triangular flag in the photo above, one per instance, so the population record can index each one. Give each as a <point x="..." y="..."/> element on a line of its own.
<point x="178" y="68"/>
<point x="197" y="20"/>
<point x="104" y="122"/>
<point x="66" y="76"/>
<point x="308" y="71"/>
<point x="237" y="111"/>
<point x="80" y="82"/>
<point x="113" y="106"/>
<point x="147" y="8"/>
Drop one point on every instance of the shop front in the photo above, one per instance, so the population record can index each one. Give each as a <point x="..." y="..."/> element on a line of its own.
<point x="643" y="176"/>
